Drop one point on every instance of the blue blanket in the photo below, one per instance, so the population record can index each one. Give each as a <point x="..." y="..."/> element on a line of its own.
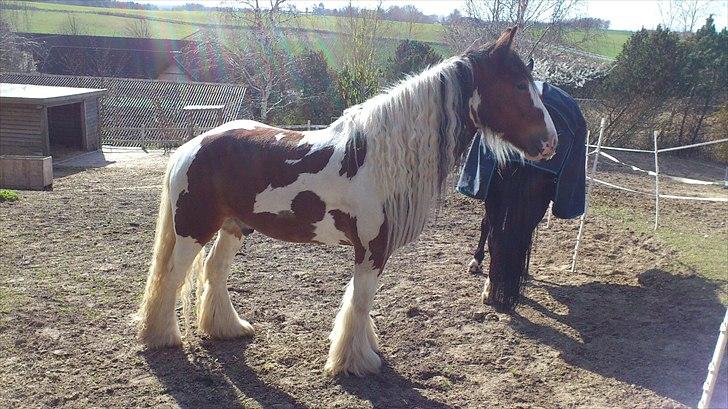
<point x="567" y="165"/>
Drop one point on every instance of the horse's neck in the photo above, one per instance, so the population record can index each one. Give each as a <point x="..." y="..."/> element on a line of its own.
<point x="412" y="144"/>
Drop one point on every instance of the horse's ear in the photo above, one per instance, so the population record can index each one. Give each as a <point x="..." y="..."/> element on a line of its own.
<point x="529" y="67"/>
<point x="504" y="42"/>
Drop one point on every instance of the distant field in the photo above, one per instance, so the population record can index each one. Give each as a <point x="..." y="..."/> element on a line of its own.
<point x="52" y="19"/>
<point x="608" y="43"/>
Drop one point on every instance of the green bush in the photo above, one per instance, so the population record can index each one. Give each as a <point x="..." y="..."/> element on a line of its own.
<point x="8" y="195"/>
<point x="357" y="83"/>
<point x="411" y="57"/>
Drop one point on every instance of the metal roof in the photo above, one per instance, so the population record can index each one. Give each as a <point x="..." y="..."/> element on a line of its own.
<point x="43" y="94"/>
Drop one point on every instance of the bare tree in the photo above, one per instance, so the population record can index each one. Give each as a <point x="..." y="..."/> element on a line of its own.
<point x="138" y="28"/>
<point x="256" y="56"/>
<point x="71" y="26"/>
<point x="486" y="19"/>
<point x="684" y="15"/>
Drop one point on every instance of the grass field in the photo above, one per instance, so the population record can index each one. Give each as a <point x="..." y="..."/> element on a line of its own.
<point x="53" y="18"/>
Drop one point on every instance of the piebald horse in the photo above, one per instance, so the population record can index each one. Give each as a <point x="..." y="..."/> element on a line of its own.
<point x="369" y="181"/>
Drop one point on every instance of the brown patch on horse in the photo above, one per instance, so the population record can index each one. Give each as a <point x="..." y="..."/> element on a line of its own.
<point x="231" y="168"/>
<point x="506" y="106"/>
<point x="296" y="225"/>
<point x="354" y="154"/>
<point x="347" y="225"/>
<point x="378" y="247"/>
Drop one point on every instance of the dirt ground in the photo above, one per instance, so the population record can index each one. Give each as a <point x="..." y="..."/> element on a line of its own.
<point x="633" y="327"/>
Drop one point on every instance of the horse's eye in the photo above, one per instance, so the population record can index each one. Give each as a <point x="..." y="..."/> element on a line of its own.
<point x="522" y="87"/>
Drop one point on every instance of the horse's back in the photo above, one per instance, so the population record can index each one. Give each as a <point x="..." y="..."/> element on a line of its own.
<point x="282" y="183"/>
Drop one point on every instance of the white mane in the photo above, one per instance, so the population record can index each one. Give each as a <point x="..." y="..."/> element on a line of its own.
<point x="412" y="133"/>
<point x="502" y="150"/>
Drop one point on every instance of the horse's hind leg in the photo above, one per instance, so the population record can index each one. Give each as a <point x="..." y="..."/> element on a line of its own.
<point x="476" y="264"/>
<point x="353" y="340"/>
<point x="216" y="315"/>
<point x="158" y="326"/>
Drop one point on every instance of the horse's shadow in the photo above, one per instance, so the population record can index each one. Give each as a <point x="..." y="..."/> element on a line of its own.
<point x="388" y="389"/>
<point x="235" y="384"/>
<point x="659" y="335"/>
<point x="231" y="385"/>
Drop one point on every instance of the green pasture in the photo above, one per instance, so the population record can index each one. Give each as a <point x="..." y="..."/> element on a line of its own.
<point x="607" y="42"/>
<point x="700" y="249"/>
<point x="50" y="18"/>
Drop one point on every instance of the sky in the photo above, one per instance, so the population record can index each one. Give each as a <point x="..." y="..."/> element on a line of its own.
<point x="623" y="14"/>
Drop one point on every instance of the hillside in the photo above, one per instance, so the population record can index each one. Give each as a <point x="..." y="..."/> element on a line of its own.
<point x="49" y="18"/>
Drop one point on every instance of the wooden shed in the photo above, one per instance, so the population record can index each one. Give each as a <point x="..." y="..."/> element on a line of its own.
<point x="37" y="120"/>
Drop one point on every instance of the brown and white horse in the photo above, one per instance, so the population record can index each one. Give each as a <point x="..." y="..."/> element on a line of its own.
<point x="369" y="181"/>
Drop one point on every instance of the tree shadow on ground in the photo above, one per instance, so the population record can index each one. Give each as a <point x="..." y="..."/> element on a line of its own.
<point x="388" y="389"/>
<point x="231" y="385"/>
<point x="659" y="335"/>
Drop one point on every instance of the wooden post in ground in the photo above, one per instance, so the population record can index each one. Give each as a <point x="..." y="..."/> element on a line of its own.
<point x="657" y="181"/>
<point x="143" y="132"/>
<point x="590" y="184"/>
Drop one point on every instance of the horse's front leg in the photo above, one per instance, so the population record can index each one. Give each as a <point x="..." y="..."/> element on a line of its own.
<point x="476" y="264"/>
<point x="353" y="340"/>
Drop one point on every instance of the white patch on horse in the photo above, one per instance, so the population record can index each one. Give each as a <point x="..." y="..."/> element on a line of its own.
<point x="246" y="124"/>
<point x="474" y="105"/>
<point x="325" y="231"/>
<point x="539" y="87"/>
<point x="275" y="200"/>
<point x="181" y="161"/>
<point x="538" y="103"/>
<point x="280" y="136"/>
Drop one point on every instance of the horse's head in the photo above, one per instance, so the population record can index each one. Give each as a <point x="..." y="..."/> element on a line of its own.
<point x="505" y="99"/>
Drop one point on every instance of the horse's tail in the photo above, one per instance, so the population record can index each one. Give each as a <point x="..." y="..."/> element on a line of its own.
<point x="160" y="270"/>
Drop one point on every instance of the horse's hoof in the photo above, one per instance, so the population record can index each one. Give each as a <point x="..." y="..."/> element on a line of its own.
<point x="474" y="267"/>
<point x="369" y="365"/>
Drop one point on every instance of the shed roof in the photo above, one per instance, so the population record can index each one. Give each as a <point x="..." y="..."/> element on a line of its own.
<point x="43" y="94"/>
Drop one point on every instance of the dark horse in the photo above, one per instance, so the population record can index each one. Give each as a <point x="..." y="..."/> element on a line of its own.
<point x="517" y="194"/>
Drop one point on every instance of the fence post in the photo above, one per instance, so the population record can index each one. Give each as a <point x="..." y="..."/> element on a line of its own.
<point x="714" y="365"/>
<point x="143" y="132"/>
<point x="582" y="219"/>
<point x="657" y="181"/>
<point x="308" y="125"/>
